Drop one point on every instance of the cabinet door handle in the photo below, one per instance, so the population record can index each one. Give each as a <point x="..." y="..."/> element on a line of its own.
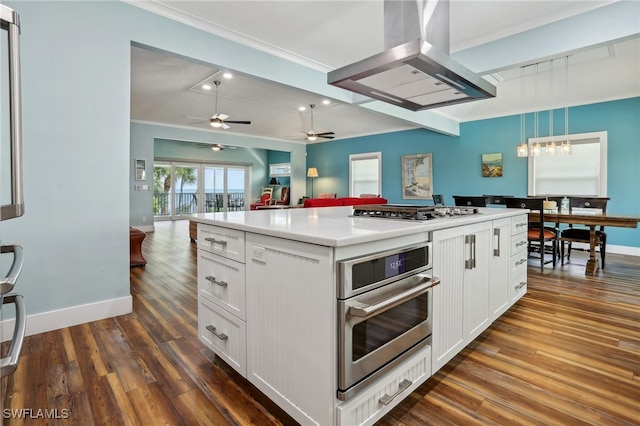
<point x="471" y="262"/>
<point x="213" y="280"/>
<point x="386" y="398"/>
<point x="220" y="336"/>
<point x="522" y="284"/>
<point x="214" y="241"/>
<point x="8" y="282"/>
<point x="521" y="261"/>
<point x="521" y="243"/>
<point x="496" y="233"/>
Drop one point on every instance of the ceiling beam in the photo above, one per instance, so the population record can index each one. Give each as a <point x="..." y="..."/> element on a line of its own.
<point x="608" y="24"/>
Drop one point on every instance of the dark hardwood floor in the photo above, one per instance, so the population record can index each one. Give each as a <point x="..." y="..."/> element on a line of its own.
<point x="568" y="353"/>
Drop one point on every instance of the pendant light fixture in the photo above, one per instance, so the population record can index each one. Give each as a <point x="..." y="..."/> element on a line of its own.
<point x="550" y="149"/>
<point x="565" y="147"/>
<point x="523" y="147"/>
<point x="535" y="147"/>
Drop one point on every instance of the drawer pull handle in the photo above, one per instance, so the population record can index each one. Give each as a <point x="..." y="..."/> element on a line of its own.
<point x="522" y="284"/>
<point x="213" y="280"/>
<point x="521" y="243"/>
<point x="220" y="336"/>
<point x="214" y="241"/>
<point x="521" y="261"/>
<point x="521" y="224"/>
<point x="386" y="399"/>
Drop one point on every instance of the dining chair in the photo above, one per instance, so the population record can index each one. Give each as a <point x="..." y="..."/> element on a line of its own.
<point x="538" y="235"/>
<point x="582" y="234"/>
<point x="438" y="199"/>
<point x="476" y="201"/>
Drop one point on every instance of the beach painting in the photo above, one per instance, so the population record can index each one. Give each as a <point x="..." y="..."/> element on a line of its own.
<point x="492" y="165"/>
<point x="417" y="176"/>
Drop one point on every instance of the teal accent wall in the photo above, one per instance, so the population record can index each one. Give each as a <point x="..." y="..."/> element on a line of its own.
<point x="457" y="159"/>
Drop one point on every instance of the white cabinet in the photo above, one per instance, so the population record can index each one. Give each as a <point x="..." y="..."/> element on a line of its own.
<point x="500" y="268"/>
<point x="291" y="326"/>
<point x="519" y="254"/>
<point x="461" y="301"/>
<point x="221" y="294"/>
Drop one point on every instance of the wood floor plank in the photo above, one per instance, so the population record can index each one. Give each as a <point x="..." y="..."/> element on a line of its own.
<point x="567" y="353"/>
<point x="153" y="407"/>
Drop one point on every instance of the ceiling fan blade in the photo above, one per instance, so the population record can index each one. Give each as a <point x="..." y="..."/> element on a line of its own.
<point x="237" y="122"/>
<point x="326" y="137"/>
<point x="225" y="127"/>
<point x="223" y="116"/>
<point x="325" y="133"/>
<point x="196" y="118"/>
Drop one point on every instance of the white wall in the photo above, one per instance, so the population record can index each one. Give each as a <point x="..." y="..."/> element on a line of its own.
<point x="75" y="85"/>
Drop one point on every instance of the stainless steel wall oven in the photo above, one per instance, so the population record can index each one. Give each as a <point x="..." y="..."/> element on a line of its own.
<point x="384" y="313"/>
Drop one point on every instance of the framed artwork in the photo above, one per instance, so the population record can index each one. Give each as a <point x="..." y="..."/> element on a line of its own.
<point x="140" y="169"/>
<point x="492" y="165"/>
<point x="417" y="176"/>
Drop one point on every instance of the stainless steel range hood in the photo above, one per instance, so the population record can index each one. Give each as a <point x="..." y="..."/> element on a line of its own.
<point x="415" y="73"/>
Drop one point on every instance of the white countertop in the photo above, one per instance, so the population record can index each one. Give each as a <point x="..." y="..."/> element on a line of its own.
<point x="333" y="226"/>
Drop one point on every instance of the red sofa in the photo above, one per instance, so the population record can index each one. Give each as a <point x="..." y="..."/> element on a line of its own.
<point x="343" y="201"/>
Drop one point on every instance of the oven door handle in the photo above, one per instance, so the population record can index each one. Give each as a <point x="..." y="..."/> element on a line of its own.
<point x="364" y="311"/>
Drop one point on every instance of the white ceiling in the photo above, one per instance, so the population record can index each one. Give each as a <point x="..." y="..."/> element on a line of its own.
<point x="325" y="35"/>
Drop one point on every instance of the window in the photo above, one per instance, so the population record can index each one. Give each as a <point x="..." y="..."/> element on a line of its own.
<point x="365" y="174"/>
<point x="584" y="172"/>
<point x="280" y="169"/>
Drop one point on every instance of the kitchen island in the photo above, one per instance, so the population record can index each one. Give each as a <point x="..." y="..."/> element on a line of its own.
<point x="267" y="291"/>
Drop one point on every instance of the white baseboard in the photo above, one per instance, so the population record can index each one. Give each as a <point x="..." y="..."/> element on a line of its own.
<point x="145" y="228"/>
<point x="54" y="320"/>
<point x="631" y="251"/>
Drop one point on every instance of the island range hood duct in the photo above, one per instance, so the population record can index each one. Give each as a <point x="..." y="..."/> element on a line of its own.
<point x="415" y="71"/>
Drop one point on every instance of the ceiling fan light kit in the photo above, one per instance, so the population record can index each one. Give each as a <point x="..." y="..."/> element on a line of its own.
<point x="219" y="121"/>
<point x="312" y="135"/>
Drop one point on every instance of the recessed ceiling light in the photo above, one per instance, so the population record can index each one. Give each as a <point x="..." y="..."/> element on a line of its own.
<point x="206" y="86"/>
<point x="301" y="108"/>
<point x="227" y="75"/>
<point x="326" y="102"/>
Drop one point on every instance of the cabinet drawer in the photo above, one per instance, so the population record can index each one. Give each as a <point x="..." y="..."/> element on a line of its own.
<point x="222" y="281"/>
<point x="519" y="243"/>
<point x="519" y="260"/>
<point x="224" y="333"/>
<point x="519" y="224"/>
<point x="518" y="282"/>
<point x="222" y="241"/>
<point x="366" y="408"/>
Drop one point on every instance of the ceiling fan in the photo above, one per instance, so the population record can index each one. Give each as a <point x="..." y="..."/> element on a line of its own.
<point x="219" y="120"/>
<point x="217" y="146"/>
<point x="312" y="135"/>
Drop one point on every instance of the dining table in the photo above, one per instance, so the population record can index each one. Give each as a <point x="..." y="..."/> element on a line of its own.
<point x="592" y="220"/>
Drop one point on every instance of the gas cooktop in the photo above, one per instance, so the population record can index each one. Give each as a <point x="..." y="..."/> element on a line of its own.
<point x="410" y="212"/>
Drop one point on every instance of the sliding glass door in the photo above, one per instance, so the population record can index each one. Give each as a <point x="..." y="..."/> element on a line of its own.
<point x="182" y="188"/>
<point x="224" y="188"/>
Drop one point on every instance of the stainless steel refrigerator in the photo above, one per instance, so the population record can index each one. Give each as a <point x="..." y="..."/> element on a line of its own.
<point x="12" y="307"/>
